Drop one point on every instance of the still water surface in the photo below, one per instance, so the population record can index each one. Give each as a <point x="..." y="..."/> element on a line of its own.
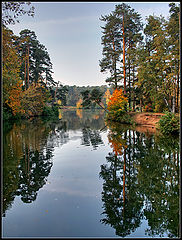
<point x="78" y="177"/>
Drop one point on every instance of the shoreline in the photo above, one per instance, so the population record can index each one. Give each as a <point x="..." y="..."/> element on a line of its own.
<point x="146" y="119"/>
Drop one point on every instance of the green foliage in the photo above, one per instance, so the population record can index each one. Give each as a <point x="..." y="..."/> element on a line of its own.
<point x="119" y="117"/>
<point x="39" y="60"/>
<point x="7" y="113"/>
<point x="122" y="25"/>
<point x="50" y="111"/>
<point x="151" y="63"/>
<point x="96" y="95"/>
<point x="169" y="124"/>
<point x="74" y="93"/>
<point x="91" y="98"/>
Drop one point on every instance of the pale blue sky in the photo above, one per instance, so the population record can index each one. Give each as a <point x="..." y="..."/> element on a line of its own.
<point x="71" y="33"/>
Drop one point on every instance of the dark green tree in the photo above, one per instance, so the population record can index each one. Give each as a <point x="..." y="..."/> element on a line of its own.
<point x="130" y="26"/>
<point x="111" y="49"/>
<point x="93" y="96"/>
<point x="36" y="64"/>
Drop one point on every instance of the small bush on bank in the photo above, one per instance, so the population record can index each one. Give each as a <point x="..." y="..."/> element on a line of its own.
<point x="169" y="124"/>
<point x="117" y="107"/>
<point x="119" y="117"/>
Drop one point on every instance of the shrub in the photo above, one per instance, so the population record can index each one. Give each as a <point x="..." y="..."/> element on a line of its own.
<point x="117" y="107"/>
<point x="50" y="111"/>
<point x="169" y="124"/>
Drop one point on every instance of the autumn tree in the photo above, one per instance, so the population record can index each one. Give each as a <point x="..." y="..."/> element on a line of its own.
<point x="79" y="103"/>
<point x="10" y="66"/>
<point x="117" y="105"/>
<point x="107" y="95"/>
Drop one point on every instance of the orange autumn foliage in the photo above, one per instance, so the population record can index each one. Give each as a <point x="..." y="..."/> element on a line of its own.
<point x="117" y="143"/>
<point x="14" y="101"/>
<point x="79" y="103"/>
<point x="117" y="101"/>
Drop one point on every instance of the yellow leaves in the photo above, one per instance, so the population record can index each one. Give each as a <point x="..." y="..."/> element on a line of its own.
<point x="29" y="102"/>
<point x="79" y="113"/>
<point x="117" y="143"/>
<point x="107" y="95"/>
<point x="15" y="97"/>
<point x="79" y="103"/>
<point x="59" y="102"/>
<point x="10" y="63"/>
<point x="117" y="100"/>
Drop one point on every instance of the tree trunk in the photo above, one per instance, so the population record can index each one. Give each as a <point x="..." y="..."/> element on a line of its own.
<point x="140" y="105"/>
<point x="129" y="78"/>
<point x="25" y="75"/>
<point x="28" y="68"/>
<point x="173" y="103"/>
<point x="167" y="104"/>
<point x="114" y="60"/>
<point x="133" y="88"/>
<point x="124" y="68"/>
<point x="177" y="93"/>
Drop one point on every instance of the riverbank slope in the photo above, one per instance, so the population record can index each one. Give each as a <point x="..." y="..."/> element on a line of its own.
<point x="146" y="118"/>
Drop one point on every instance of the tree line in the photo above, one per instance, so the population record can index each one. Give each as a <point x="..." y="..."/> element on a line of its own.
<point x="143" y="60"/>
<point x="28" y="86"/>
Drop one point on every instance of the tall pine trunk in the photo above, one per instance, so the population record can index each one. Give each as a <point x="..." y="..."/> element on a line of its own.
<point x="25" y="75"/>
<point x="114" y="60"/>
<point x="129" y="78"/>
<point x="124" y="68"/>
<point x="28" y="67"/>
<point x="133" y="88"/>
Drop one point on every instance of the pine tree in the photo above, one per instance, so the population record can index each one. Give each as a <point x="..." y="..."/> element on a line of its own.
<point x="36" y="62"/>
<point x="111" y="49"/>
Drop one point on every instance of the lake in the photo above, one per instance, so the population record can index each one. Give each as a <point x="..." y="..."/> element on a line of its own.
<point x="80" y="176"/>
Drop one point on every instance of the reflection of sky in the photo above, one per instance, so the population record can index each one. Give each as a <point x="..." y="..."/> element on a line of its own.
<point x="76" y="167"/>
<point x="70" y="203"/>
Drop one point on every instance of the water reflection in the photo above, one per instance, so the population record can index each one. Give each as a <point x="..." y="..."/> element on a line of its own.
<point x="26" y="161"/>
<point x="79" y="119"/>
<point x="28" y="150"/>
<point x="140" y="171"/>
<point x="141" y="181"/>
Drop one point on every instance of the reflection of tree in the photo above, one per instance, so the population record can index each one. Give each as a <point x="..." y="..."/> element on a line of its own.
<point x="122" y="202"/>
<point x="159" y="181"/>
<point x="88" y="118"/>
<point x="91" y="137"/>
<point x="28" y="148"/>
<point x="10" y="163"/>
<point x="58" y="134"/>
<point x="141" y="180"/>
<point x="79" y="113"/>
<point x="33" y="169"/>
